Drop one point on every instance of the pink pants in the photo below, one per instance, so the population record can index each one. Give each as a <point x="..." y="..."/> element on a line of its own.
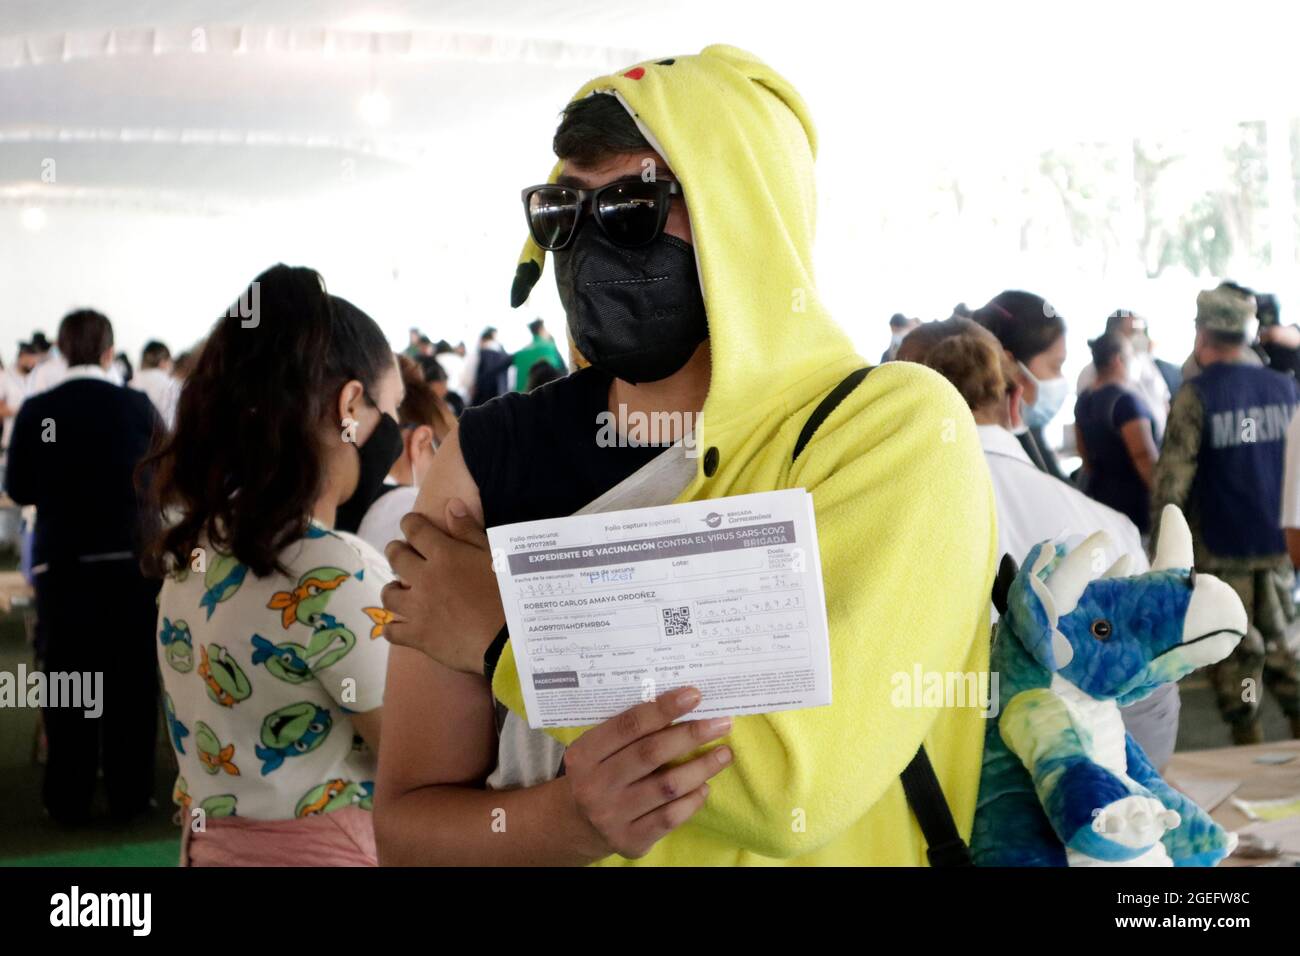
<point x="343" y="838"/>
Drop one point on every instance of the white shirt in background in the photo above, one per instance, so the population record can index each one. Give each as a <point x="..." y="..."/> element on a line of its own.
<point x="48" y="374"/>
<point x="163" y="390"/>
<point x="54" y="371"/>
<point x="13" y="390"/>
<point x="1033" y="506"/>
<point x="383" y="520"/>
<point x="454" y="365"/>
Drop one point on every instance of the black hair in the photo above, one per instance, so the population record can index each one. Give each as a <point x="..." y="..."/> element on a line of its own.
<point x="431" y="368"/>
<point x="541" y="373"/>
<point x="84" y="337"/>
<point x="245" y="462"/>
<point x="26" y="348"/>
<point x="535" y="327"/>
<point x="897" y="320"/>
<point x="442" y="347"/>
<point x="1025" y="324"/>
<point x="128" y="370"/>
<point x="595" y="128"/>
<point x="40" y="343"/>
<point x="154" y="354"/>
<point x="1104" y="349"/>
<point x="1266" y="308"/>
<point x="488" y="333"/>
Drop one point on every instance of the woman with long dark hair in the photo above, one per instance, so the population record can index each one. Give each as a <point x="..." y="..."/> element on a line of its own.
<point x="270" y="622"/>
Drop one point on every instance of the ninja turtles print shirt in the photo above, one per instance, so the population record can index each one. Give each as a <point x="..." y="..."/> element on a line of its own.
<point x="261" y="675"/>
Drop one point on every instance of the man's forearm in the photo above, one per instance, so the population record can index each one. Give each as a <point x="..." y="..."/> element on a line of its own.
<point x="466" y="826"/>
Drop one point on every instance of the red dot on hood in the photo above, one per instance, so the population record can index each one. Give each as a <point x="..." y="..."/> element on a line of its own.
<point x="635" y="73"/>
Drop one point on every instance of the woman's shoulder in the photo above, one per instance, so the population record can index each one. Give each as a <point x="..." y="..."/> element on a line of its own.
<point x="328" y="547"/>
<point x="1130" y="404"/>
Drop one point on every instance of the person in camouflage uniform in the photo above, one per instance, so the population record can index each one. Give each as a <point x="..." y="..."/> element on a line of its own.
<point x="1222" y="464"/>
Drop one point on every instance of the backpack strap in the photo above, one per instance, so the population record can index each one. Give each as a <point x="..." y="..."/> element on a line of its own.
<point x="945" y="846"/>
<point x="828" y="405"/>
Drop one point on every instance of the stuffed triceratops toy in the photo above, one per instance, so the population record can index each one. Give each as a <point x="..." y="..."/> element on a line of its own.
<point x="1063" y="784"/>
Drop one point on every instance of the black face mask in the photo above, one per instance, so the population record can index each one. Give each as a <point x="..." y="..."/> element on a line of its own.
<point x="378" y="454"/>
<point x="637" y="314"/>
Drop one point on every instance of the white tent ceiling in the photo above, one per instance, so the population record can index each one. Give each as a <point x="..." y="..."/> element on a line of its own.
<point x="223" y="108"/>
<point x="178" y="97"/>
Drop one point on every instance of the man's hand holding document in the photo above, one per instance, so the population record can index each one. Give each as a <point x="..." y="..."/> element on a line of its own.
<point x="608" y="610"/>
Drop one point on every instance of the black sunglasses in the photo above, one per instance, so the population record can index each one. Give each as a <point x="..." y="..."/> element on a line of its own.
<point x="631" y="212"/>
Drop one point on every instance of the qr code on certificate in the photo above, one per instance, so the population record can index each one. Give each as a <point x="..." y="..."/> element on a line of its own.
<point x="677" y="621"/>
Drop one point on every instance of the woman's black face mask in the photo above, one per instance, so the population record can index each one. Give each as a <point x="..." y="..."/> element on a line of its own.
<point x="377" y="455"/>
<point x="637" y="314"/>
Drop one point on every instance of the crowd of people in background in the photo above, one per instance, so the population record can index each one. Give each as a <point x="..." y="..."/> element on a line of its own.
<point x="79" y="399"/>
<point x="474" y="378"/>
<point x="1215" y="436"/>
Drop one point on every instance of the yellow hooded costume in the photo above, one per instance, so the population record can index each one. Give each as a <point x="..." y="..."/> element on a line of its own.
<point x="902" y="497"/>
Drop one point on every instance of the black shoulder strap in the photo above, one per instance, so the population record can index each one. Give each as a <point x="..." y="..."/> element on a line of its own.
<point x="828" y="405"/>
<point x="945" y="846"/>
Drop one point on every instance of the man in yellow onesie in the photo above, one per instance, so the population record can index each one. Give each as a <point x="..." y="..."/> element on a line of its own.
<point x="680" y="218"/>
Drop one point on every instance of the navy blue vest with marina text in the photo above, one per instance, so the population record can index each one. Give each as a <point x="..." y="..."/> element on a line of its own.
<point x="1238" y="486"/>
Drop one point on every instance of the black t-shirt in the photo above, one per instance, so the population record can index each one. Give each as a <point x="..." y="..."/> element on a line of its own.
<point x="535" y="455"/>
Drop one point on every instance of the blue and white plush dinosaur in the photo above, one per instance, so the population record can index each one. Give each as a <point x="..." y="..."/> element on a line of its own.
<point x="1063" y="784"/>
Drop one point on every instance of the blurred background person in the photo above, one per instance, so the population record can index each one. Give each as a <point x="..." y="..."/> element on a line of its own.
<point x="436" y="378"/>
<point x="271" y="651"/>
<point x="1280" y="343"/>
<point x="123" y="368"/>
<point x="1222" y="463"/>
<point x="412" y="349"/>
<point x="452" y="360"/>
<point x="1031" y="505"/>
<point x="1246" y="356"/>
<point x="1144" y="376"/>
<point x="184" y="364"/>
<point x="1115" y="433"/>
<point x="540" y="374"/>
<point x="155" y="379"/>
<point x="491" y="368"/>
<point x="74" y="455"/>
<point x="50" y="366"/>
<point x="540" y="349"/>
<point x="425" y="421"/>
<point x="14" y="383"/>
<point x="1033" y="333"/>
<point x="899" y="326"/>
